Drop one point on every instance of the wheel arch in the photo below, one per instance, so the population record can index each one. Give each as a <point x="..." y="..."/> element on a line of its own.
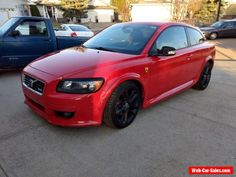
<point x="211" y="61"/>
<point x="131" y="77"/>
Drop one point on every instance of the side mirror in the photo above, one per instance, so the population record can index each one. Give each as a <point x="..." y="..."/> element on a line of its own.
<point x="15" y="33"/>
<point x="166" y="51"/>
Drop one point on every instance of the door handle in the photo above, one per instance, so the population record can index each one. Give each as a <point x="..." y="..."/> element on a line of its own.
<point x="189" y="57"/>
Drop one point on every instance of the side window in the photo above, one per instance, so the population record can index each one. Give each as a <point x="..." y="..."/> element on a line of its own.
<point x="32" y="28"/>
<point x="172" y="37"/>
<point x="235" y="24"/>
<point x="195" y="36"/>
<point x="227" y="25"/>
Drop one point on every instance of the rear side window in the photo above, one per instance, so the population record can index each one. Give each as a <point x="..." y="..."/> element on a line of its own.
<point x="195" y="37"/>
<point x="227" y="25"/>
<point x="32" y="28"/>
<point x="234" y="24"/>
<point x="172" y="37"/>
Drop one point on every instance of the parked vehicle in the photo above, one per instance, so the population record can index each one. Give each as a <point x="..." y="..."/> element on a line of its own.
<point x="224" y="28"/>
<point x="123" y="68"/>
<point x="23" y="39"/>
<point x="74" y="30"/>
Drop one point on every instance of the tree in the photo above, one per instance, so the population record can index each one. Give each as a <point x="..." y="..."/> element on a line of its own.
<point x="179" y="10"/>
<point x="34" y="11"/>
<point x="208" y="11"/>
<point x="193" y="7"/>
<point x="74" y="8"/>
<point x="123" y="8"/>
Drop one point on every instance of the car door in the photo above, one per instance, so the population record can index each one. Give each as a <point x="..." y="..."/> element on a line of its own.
<point x="227" y="29"/>
<point x="169" y="72"/>
<point x="29" y="40"/>
<point x="234" y="28"/>
<point x="198" y="52"/>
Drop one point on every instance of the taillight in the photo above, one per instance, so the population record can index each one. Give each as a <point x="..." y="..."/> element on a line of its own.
<point x="73" y="34"/>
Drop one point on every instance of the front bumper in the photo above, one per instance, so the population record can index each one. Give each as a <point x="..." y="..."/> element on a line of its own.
<point x="87" y="109"/>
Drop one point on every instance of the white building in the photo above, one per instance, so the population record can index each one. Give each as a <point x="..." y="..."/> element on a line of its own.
<point x="99" y="11"/>
<point x="48" y="8"/>
<point x="152" y="12"/>
<point x="11" y="8"/>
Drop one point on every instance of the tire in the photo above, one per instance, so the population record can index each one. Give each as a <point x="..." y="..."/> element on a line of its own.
<point x="122" y="106"/>
<point x="205" y="78"/>
<point x="213" y="36"/>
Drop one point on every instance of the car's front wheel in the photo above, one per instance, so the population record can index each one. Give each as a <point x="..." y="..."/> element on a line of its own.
<point x="213" y="36"/>
<point x="123" y="105"/>
<point x="205" y="78"/>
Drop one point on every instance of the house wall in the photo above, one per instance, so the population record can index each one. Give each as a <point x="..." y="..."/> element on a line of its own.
<point x="103" y="15"/>
<point x="11" y="8"/>
<point x="151" y="12"/>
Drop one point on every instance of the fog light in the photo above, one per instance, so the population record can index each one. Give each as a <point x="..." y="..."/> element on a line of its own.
<point x="66" y="115"/>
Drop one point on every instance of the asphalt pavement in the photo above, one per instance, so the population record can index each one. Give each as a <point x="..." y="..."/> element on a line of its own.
<point x="192" y="128"/>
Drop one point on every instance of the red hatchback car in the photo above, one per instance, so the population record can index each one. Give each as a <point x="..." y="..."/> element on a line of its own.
<point x="109" y="78"/>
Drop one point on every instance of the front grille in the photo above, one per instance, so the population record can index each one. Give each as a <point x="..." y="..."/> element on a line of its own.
<point x="33" y="84"/>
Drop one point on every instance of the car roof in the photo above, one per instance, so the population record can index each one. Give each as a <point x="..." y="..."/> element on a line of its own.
<point x="159" y="23"/>
<point x="30" y="17"/>
<point x="73" y="25"/>
<point x="163" y="24"/>
<point x="228" y="20"/>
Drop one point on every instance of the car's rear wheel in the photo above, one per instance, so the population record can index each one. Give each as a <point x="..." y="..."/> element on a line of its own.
<point x="205" y="78"/>
<point x="213" y="36"/>
<point x="123" y="105"/>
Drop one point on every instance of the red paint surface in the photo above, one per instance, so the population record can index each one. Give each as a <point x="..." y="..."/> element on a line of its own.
<point x="167" y="76"/>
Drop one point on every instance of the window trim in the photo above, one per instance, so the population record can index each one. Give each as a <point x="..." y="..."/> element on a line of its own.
<point x="30" y="20"/>
<point x="188" y="44"/>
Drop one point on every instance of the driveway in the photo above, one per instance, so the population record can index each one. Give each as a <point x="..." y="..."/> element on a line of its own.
<point x="192" y="128"/>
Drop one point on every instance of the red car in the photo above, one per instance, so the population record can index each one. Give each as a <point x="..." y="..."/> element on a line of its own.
<point x="126" y="67"/>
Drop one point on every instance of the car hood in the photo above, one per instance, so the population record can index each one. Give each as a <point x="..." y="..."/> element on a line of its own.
<point x="207" y="28"/>
<point x="77" y="60"/>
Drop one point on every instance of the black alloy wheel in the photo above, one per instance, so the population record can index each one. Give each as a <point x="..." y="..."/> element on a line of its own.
<point x="122" y="106"/>
<point x="204" y="78"/>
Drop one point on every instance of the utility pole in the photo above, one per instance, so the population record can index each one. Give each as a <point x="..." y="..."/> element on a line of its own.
<point x="218" y="11"/>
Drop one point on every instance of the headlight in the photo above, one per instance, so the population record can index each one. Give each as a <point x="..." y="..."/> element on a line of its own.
<point x="80" y="85"/>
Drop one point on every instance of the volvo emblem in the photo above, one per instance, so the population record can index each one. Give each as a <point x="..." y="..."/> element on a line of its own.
<point x="32" y="83"/>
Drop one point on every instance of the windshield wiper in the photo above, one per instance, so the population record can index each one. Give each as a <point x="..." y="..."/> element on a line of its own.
<point x="103" y="48"/>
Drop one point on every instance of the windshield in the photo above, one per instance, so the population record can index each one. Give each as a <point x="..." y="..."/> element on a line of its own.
<point x="123" y="38"/>
<point x="79" y="28"/>
<point x="7" y="25"/>
<point x="217" y="24"/>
